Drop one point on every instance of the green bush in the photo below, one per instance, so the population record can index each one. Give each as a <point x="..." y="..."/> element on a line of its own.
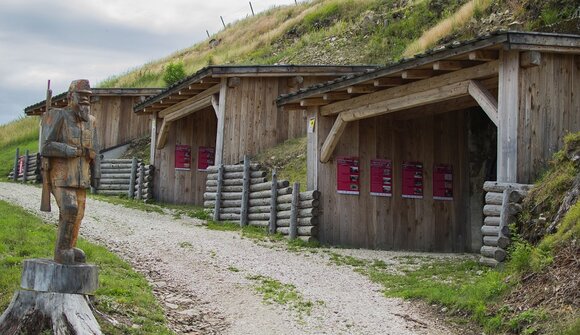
<point x="174" y="72"/>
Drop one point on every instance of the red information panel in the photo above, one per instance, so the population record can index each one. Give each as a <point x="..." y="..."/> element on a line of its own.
<point x="182" y="157"/>
<point x="443" y="182"/>
<point x="413" y="180"/>
<point x="381" y="177"/>
<point x="205" y="158"/>
<point x="347" y="175"/>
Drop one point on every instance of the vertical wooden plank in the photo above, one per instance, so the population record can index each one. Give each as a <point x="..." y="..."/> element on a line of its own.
<point x="140" y="182"/>
<point x="219" y="142"/>
<point x="153" y="137"/>
<point x="245" y="192"/>
<point x="273" y="202"/>
<point x="25" y="167"/>
<point x="508" y="108"/>
<point x="218" y="193"/>
<point x="16" y="159"/>
<point x="294" y="211"/>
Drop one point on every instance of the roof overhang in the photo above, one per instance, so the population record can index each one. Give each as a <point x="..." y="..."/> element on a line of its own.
<point x="208" y="79"/>
<point x="60" y="100"/>
<point x="429" y="65"/>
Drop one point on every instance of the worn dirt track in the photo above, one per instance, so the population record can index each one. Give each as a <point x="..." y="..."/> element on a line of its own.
<point x="201" y="276"/>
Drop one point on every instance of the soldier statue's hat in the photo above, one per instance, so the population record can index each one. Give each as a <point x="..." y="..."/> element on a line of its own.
<point x="80" y="85"/>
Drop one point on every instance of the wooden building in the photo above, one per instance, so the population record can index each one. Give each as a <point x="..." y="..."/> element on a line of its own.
<point x="220" y="114"/>
<point x="113" y="109"/>
<point x="400" y="154"/>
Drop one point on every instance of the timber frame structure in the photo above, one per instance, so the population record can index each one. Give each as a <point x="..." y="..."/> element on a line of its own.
<point x="113" y="109"/>
<point x="518" y="90"/>
<point x="229" y="109"/>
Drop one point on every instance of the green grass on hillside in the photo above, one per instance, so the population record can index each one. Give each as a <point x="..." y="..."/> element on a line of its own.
<point x="289" y="160"/>
<point x="123" y="294"/>
<point x="21" y="133"/>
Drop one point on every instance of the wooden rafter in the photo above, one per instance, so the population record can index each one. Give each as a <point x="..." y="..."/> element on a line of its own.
<point x="417" y="74"/>
<point x="389" y="82"/>
<point x="215" y="102"/>
<point x="452" y="65"/>
<point x="475" y="72"/>
<point x="485" y="99"/>
<point x="313" y="102"/>
<point x="335" y="96"/>
<point x="183" y="104"/>
<point x="332" y="139"/>
<point x="189" y="109"/>
<point x="484" y="55"/>
<point x="361" y="89"/>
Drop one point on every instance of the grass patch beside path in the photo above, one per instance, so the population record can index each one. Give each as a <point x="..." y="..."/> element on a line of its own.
<point x="124" y="294"/>
<point x="251" y="232"/>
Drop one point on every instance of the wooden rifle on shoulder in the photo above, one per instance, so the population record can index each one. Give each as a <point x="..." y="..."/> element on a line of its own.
<point x="45" y="167"/>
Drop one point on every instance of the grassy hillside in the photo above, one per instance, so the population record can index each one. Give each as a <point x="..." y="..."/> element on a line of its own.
<point x="23" y="134"/>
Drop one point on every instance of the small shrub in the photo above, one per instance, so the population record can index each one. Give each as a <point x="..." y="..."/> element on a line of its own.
<point x="174" y="72"/>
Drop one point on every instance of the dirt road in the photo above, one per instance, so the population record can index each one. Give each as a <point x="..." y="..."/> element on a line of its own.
<point x="201" y="276"/>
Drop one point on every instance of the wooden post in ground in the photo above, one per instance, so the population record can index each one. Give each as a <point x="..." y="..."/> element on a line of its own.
<point x="294" y="211"/>
<point x="245" y="193"/>
<point x="141" y="181"/>
<point x="25" y="168"/>
<point x="131" y="193"/>
<point x="273" y="203"/>
<point x="15" y="176"/>
<point x="218" y="193"/>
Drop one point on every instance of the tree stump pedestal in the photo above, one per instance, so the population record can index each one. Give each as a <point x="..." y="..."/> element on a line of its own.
<point x="54" y="298"/>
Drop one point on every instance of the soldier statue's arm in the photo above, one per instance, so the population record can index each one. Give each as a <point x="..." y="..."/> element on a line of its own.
<point x="51" y="124"/>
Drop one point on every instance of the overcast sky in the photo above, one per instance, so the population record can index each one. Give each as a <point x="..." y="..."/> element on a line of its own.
<point x="63" y="40"/>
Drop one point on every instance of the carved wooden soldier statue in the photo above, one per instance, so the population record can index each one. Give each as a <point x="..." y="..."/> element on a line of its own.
<point x="69" y="142"/>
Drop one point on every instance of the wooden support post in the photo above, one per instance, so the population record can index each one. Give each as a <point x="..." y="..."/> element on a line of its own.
<point x="245" y="193"/>
<point x="131" y="192"/>
<point x="508" y="110"/>
<point x="313" y="151"/>
<point x="485" y="99"/>
<point x="15" y="176"/>
<point x="153" y="137"/>
<point x="294" y="211"/>
<point x="252" y="9"/>
<point x="219" y="142"/>
<point x="220" y="176"/>
<point x="25" y="167"/>
<point x="332" y="139"/>
<point x="273" y="202"/>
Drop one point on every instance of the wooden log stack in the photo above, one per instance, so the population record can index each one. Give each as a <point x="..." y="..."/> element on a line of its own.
<point x="502" y="203"/>
<point x="118" y="176"/>
<point x="244" y="195"/>
<point x="27" y="168"/>
<point x="144" y="182"/>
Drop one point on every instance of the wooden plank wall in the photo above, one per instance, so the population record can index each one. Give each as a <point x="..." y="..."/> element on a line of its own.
<point x="184" y="187"/>
<point x="253" y="122"/>
<point x="549" y="109"/>
<point x="396" y="223"/>
<point x="116" y="122"/>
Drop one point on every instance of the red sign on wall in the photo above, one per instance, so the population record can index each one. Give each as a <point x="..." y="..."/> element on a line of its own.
<point x="205" y="158"/>
<point x="381" y="177"/>
<point x="182" y="157"/>
<point x="443" y="182"/>
<point x="347" y="175"/>
<point x="412" y="180"/>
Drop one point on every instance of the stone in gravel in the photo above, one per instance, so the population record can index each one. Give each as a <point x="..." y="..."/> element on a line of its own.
<point x="172" y="306"/>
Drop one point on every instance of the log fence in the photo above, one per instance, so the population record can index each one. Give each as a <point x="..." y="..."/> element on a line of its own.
<point x="128" y="177"/>
<point x="26" y="168"/>
<point x="502" y="203"/>
<point x="241" y="193"/>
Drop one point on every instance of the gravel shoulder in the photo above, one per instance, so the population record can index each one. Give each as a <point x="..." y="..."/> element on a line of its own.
<point x="193" y="272"/>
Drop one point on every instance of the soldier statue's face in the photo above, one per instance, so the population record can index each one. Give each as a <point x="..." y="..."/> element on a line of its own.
<point x="81" y="104"/>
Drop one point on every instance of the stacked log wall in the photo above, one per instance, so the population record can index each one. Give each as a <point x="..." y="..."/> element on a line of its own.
<point x="27" y="168"/>
<point x="502" y="203"/>
<point x="269" y="203"/>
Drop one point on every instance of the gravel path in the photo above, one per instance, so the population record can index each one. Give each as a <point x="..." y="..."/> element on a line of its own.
<point x="193" y="271"/>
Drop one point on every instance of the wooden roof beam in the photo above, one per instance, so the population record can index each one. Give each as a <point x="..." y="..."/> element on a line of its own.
<point x="434" y="95"/>
<point x="484" y="70"/>
<point x="389" y="82"/>
<point x="313" y="102"/>
<point x="361" y="89"/>
<point x="183" y="104"/>
<point x="452" y="65"/>
<point x="335" y="96"/>
<point x="485" y="99"/>
<point x="189" y="109"/>
<point x="417" y="74"/>
<point x="484" y="55"/>
<point x="163" y="133"/>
